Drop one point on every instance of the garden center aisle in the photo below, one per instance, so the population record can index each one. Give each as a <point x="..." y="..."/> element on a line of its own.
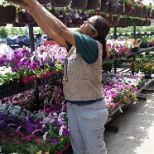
<point x="136" y="129"/>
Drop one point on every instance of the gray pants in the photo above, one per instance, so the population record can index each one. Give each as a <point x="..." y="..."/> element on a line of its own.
<point x="86" y="124"/>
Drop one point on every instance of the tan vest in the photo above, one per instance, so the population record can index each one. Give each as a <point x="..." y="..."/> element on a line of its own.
<point x="82" y="81"/>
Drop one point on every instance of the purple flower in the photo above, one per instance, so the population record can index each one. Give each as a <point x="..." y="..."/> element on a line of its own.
<point x="29" y="129"/>
<point x="54" y="142"/>
<point x="66" y="132"/>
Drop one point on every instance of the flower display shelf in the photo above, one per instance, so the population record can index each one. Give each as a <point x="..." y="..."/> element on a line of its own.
<point x="66" y="150"/>
<point x="122" y="23"/>
<point x="115" y="113"/>
<point x="135" y="50"/>
<point x="27" y="83"/>
<point x="114" y="21"/>
<point x="7" y="14"/>
<point x="149" y="87"/>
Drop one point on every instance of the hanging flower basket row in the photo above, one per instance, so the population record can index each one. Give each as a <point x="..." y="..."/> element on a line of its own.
<point x="125" y="22"/>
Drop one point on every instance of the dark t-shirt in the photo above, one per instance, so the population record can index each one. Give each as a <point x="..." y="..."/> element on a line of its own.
<point x="86" y="46"/>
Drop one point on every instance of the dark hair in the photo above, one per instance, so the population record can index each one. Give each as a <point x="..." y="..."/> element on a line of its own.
<point x="102" y="26"/>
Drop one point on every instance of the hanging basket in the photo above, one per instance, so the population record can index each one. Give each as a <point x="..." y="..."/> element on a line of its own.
<point x="134" y="11"/>
<point x="104" y="5"/>
<point x="44" y="1"/>
<point x="122" y="22"/>
<point x="75" y="22"/>
<point x="112" y="7"/>
<point x="128" y="21"/>
<point x="126" y="9"/>
<point x="148" y="22"/>
<point x="139" y="12"/>
<point x="148" y="75"/>
<point x="146" y="13"/>
<point x="152" y="14"/>
<point x="143" y="22"/>
<point x="119" y="9"/>
<point x="25" y="18"/>
<point x="114" y="21"/>
<point x="93" y="4"/>
<point x="60" y="3"/>
<point x="138" y="22"/>
<point x="2" y="24"/>
<point x="79" y="4"/>
<point x="7" y="14"/>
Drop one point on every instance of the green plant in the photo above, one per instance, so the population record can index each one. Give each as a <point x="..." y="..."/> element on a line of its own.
<point x="3" y="33"/>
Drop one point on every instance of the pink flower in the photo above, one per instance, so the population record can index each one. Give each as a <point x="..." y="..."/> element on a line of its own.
<point x="17" y="142"/>
<point x="28" y="138"/>
<point x="113" y="95"/>
<point x="4" y="136"/>
<point x="22" y="139"/>
<point x="12" y="134"/>
<point x="39" y="140"/>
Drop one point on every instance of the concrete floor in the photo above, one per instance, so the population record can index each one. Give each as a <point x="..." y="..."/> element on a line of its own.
<point x="136" y="129"/>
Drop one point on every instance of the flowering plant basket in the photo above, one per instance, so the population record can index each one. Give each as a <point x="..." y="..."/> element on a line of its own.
<point x="113" y="5"/>
<point x="104" y="5"/>
<point x="25" y="17"/>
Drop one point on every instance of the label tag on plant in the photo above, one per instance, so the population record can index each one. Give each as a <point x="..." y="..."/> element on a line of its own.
<point x="120" y="109"/>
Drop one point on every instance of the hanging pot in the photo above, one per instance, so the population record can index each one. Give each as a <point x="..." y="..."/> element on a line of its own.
<point x="44" y="1"/>
<point x="122" y="22"/>
<point x="60" y="3"/>
<point x="93" y="4"/>
<point x="79" y="4"/>
<point x="138" y="22"/>
<point x="126" y="9"/>
<point x="152" y="14"/>
<point x="148" y="22"/>
<point x="7" y="14"/>
<point x="76" y="22"/>
<point x="104" y="5"/>
<point x="119" y="9"/>
<point x="25" y="18"/>
<point x="128" y="21"/>
<point x="114" y="21"/>
<point x="2" y="24"/>
<point x="134" y="11"/>
<point x="148" y="75"/>
<point x="112" y="7"/>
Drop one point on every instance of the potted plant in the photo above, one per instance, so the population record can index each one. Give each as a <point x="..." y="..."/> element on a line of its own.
<point x="7" y="12"/>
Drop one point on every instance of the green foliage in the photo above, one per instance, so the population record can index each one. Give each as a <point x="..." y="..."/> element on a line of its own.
<point x="3" y="33"/>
